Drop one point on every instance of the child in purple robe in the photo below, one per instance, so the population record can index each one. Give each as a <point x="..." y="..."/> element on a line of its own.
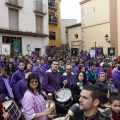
<point x="33" y="103"/>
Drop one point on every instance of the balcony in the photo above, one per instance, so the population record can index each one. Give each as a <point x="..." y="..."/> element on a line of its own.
<point x="52" y="5"/>
<point x="18" y="4"/>
<point x="40" y="8"/>
<point x="53" y="19"/>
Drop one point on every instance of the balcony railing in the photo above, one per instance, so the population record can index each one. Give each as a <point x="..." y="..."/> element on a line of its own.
<point x="40" y="8"/>
<point x="15" y="3"/>
<point x="52" y="5"/>
<point x="53" y="19"/>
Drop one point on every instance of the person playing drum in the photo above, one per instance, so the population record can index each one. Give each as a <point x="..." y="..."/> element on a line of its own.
<point x="68" y="77"/>
<point x="34" y="105"/>
<point x="52" y="80"/>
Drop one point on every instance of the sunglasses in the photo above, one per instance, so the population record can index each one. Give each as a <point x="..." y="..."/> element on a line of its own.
<point x="34" y="81"/>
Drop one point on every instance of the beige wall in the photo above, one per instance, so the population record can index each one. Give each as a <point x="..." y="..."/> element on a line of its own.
<point x="96" y="34"/>
<point x="118" y="14"/>
<point x="95" y="12"/>
<point x="71" y="36"/>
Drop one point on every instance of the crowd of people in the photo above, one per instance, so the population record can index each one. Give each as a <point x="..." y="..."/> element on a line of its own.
<point x="29" y="79"/>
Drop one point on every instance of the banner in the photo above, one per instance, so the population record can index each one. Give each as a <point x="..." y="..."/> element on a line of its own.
<point x="74" y="51"/>
<point x="6" y="49"/>
<point x="92" y="53"/>
<point x="111" y="51"/>
<point x="16" y="46"/>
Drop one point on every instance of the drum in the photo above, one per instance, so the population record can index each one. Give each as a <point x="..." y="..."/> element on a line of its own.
<point x="64" y="97"/>
<point x="52" y="106"/>
<point x="12" y="109"/>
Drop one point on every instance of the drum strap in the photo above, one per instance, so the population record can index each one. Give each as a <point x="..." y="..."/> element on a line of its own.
<point x="9" y="89"/>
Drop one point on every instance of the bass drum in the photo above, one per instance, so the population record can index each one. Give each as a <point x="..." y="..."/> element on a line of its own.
<point x="64" y="97"/>
<point x="13" y="110"/>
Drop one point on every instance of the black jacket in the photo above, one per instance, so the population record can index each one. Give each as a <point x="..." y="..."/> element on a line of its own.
<point x="79" y="116"/>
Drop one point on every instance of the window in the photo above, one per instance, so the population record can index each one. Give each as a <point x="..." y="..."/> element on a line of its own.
<point x="52" y="35"/>
<point x="39" y="24"/>
<point x="13" y="19"/>
<point x="76" y="36"/>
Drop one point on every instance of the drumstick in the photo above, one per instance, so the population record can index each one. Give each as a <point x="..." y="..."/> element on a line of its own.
<point x="63" y="85"/>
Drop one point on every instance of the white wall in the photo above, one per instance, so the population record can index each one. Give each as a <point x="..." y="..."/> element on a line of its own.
<point x="3" y="15"/>
<point x="27" y="22"/>
<point x="71" y="35"/>
<point x="35" y="42"/>
<point x="65" y="23"/>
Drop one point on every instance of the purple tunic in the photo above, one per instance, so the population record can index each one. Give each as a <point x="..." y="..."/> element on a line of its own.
<point x="40" y="71"/>
<point x="33" y="104"/>
<point x="20" y="89"/>
<point x="116" y="79"/>
<point x="71" y="78"/>
<point x="52" y="81"/>
<point x="114" y="70"/>
<point x="18" y="75"/>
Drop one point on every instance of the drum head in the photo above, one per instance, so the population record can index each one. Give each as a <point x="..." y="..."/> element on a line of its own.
<point x="63" y="95"/>
<point x="6" y="104"/>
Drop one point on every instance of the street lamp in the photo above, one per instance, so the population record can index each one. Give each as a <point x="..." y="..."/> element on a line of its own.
<point x="107" y="38"/>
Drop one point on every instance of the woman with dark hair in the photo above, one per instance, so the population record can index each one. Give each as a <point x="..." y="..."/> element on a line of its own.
<point x="82" y="68"/>
<point x="77" y="86"/>
<point x="33" y="103"/>
<point x="10" y="70"/>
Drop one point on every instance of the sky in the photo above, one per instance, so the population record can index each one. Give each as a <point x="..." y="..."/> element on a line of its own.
<point x="70" y="9"/>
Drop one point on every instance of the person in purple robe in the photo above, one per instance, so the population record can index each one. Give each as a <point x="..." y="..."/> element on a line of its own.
<point x="48" y="64"/>
<point x="16" y="62"/>
<point x="42" y="63"/>
<point x="6" y="61"/>
<point x="5" y="89"/>
<point x="116" y="68"/>
<point x="52" y="80"/>
<point x="116" y="78"/>
<point x="76" y="68"/>
<point x="68" y="77"/>
<point x="97" y="68"/>
<point x="21" y="87"/>
<point x="34" y="105"/>
<point x="105" y="69"/>
<point x="39" y="70"/>
<point x="17" y="75"/>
